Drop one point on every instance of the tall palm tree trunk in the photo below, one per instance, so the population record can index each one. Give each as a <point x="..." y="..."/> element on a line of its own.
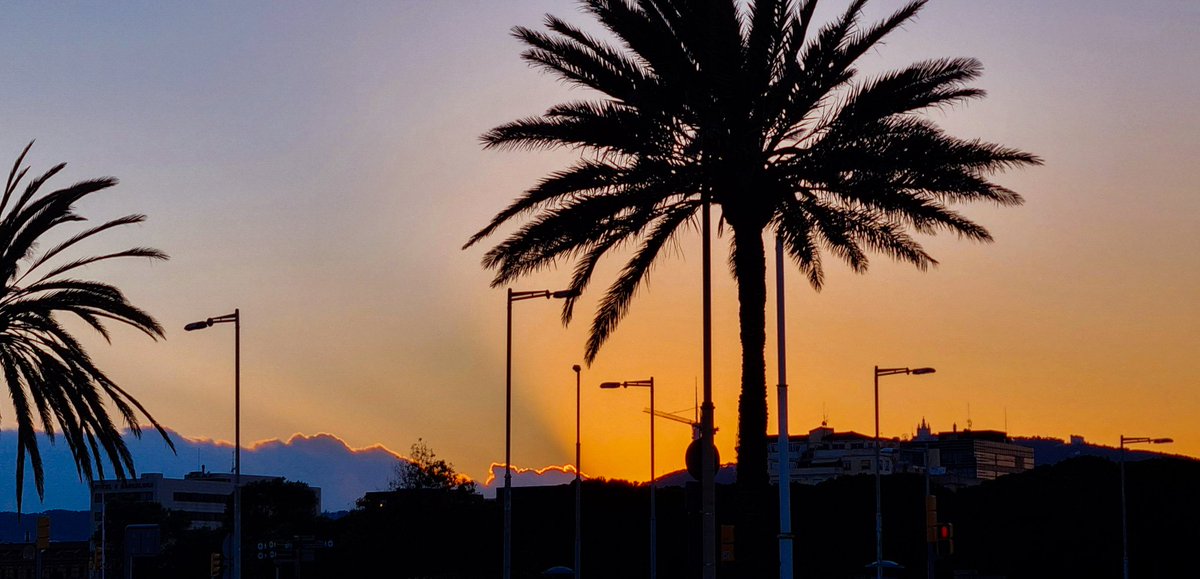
<point x="752" y="532"/>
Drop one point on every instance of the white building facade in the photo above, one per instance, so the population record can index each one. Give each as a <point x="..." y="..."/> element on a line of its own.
<point x="824" y="454"/>
<point x="202" y="497"/>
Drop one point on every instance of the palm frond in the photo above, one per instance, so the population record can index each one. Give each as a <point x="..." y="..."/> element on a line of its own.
<point x="53" y="383"/>
<point x="615" y="303"/>
<point x="78" y="237"/>
<point x="145" y="252"/>
<point x="15" y="176"/>
<point x="583" y="177"/>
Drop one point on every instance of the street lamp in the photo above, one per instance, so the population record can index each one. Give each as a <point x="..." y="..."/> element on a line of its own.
<point x="515" y="297"/>
<point x="878" y="511"/>
<point x="653" y="517"/>
<point x="578" y="480"/>
<point x="236" y="319"/>
<point x="1124" y="530"/>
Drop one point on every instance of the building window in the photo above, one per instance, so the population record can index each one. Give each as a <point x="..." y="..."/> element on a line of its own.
<point x="184" y="497"/>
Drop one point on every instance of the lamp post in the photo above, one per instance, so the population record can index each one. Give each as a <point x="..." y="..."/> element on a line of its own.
<point x="929" y="500"/>
<point x="515" y="296"/>
<point x="878" y="511"/>
<point x="578" y="480"/>
<point x="1124" y="529"/>
<point x="784" y="443"/>
<point x="653" y="509"/>
<point x="236" y="319"/>
<point x="708" y="456"/>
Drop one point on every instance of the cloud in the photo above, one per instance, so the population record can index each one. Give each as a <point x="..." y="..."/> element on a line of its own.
<point x="527" y="477"/>
<point x="322" y="460"/>
<point x="560" y="475"/>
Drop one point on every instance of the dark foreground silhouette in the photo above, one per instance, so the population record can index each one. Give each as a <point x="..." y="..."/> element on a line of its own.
<point x="1054" y="521"/>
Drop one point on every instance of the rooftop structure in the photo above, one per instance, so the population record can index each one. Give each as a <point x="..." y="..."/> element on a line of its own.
<point x="957" y="457"/>
<point x="202" y="496"/>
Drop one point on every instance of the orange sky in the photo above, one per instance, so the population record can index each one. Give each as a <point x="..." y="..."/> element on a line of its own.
<point x="319" y="169"/>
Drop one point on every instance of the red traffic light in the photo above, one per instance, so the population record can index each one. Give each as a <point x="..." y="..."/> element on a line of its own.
<point x="945" y="532"/>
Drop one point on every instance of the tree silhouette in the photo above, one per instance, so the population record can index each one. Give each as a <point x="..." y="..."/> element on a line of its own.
<point x="50" y="378"/>
<point x="424" y="470"/>
<point x="757" y="107"/>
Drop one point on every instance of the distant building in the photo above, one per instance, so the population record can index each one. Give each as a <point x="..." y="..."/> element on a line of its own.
<point x="971" y="456"/>
<point x="201" y="496"/>
<point x="956" y="457"/>
<point x="824" y="454"/>
<point x="67" y="559"/>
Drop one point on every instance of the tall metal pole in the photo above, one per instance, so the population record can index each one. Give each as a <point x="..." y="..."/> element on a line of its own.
<point x="236" y="318"/>
<point x="515" y="296"/>
<point x="708" y="466"/>
<point x="878" y="511"/>
<point x="653" y="487"/>
<point x="103" y="533"/>
<point x="785" y="463"/>
<point x="237" y="443"/>
<point x="578" y="480"/>
<point x="1124" y="529"/>
<point x="929" y="549"/>
<point x="508" y="442"/>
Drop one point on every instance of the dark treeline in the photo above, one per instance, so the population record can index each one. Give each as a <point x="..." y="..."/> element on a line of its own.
<point x="1054" y="521"/>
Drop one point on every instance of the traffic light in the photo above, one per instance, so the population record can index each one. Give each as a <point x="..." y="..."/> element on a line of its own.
<point x="931" y="524"/>
<point x="214" y="565"/>
<point x="43" y="533"/>
<point x="945" y="539"/>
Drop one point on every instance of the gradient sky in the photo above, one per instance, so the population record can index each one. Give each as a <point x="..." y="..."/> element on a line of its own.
<point x="318" y="167"/>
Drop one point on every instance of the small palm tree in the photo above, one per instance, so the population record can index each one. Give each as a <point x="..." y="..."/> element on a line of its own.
<point x="53" y="383"/>
<point x="755" y="107"/>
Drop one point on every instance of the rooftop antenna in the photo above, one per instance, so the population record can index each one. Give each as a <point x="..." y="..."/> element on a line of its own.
<point x="1006" y="421"/>
<point x="969" y="423"/>
<point x="824" y="416"/>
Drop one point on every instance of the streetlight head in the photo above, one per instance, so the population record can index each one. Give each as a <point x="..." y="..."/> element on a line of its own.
<point x="1163" y="440"/>
<point x="576" y="368"/>
<point x="611" y="384"/>
<point x="198" y="325"/>
<point x="567" y="293"/>
<point x="922" y="371"/>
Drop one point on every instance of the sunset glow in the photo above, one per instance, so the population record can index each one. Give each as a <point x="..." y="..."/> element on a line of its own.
<point x="319" y="168"/>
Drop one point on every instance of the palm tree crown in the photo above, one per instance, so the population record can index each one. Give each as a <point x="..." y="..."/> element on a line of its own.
<point x="756" y="108"/>
<point x="51" y="380"/>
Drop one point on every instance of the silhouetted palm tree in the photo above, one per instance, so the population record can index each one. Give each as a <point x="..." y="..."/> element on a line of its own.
<point x="53" y="383"/>
<point x="753" y="105"/>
